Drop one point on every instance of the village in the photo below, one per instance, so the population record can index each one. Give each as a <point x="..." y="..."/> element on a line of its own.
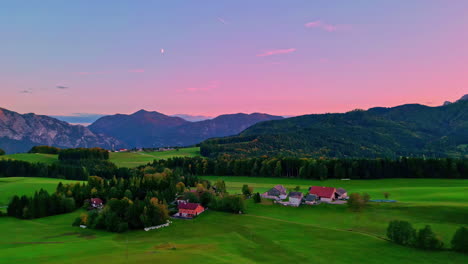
<point x="279" y="195"/>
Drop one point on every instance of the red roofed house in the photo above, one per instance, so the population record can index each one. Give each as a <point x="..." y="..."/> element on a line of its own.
<point x="190" y="209"/>
<point x="326" y="194"/>
<point x="96" y="203"/>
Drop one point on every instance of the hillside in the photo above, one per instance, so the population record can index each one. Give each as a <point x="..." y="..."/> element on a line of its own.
<point x="407" y="130"/>
<point x="18" y="133"/>
<point x="153" y="129"/>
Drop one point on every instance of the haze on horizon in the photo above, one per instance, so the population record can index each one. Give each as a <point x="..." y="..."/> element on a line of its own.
<point x="212" y="58"/>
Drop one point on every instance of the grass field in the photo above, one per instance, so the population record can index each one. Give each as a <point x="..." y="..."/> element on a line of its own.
<point x="135" y="159"/>
<point x="121" y="159"/>
<point x="32" y="157"/>
<point x="25" y="186"/>
<point x="268" y="233"/>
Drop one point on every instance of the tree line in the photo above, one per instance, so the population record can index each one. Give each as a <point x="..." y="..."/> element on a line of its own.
<point x="403" y="233"/>
<point x="321" y="169"/>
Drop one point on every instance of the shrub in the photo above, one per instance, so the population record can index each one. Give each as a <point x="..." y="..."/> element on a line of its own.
<point x="2" y="152"/>
<point x="426" y="239"/>
<point x="460" y="240"/>
<point x="257" y="198"/>
<point x="401" y="232"/>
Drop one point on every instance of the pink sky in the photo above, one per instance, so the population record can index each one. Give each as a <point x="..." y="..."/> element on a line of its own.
<point x="281" y="58"/>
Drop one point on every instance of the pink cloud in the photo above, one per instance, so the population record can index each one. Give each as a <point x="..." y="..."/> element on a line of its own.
<point x="325" y="26"/>
<point x="136" y="70"/>
<point x="220" y="19"/>
<point x="276" y="52"/>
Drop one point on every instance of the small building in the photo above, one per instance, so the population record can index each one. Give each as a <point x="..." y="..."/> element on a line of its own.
<point x="341" y="194"/>
<point x="278" y="193"/>
<point x="310" y="199"/>
<point x="326" y="194"/>
<point x="295" y="198"/>
<point x="190" y="210"/>
<point x="96" y="203"/>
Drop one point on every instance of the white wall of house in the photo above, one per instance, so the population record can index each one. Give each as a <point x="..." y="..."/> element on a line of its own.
<point x="295" y="201"/>
<point x="326" y="199"/>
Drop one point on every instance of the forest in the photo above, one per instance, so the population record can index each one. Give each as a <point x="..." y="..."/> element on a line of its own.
<point x="321" y="169"/>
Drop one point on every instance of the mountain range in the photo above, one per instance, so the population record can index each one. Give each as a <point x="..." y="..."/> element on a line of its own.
<point x="20" y="132"/>
<point x="153" y="129"/>
<point x="406" y="130"/>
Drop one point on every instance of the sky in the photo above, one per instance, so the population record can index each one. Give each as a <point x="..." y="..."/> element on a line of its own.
<point x="215" y="57"/>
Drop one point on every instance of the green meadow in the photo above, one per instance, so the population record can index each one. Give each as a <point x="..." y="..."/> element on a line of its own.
<point x="32" y="157"/>
<point x="121" y="159"/>
<point x="135" y="159"/>
<point x="25" y="186"/>
<point x="267" y="233"/>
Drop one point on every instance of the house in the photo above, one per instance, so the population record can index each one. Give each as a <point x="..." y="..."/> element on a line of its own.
<point x="341" y="194"/>
<point x="326" y="194"/>
<point x="278" y="193"/>
<point x="310" y="199"/>
<point x="295" y="198"/>
<point x="190" y="210"/>
<point x="96" y="203"/>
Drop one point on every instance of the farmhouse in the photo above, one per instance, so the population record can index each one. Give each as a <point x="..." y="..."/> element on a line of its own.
<point x="190" y="209"/>
<point x="310" y="199"/>
<point x="96" y="203"/>
<point x="341" y="194"/>
<point x="295" y="198"/>
<point x="326" y="194"/>
<point x="278" y="193"/>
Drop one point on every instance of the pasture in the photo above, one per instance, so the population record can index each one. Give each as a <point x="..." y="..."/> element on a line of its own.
<point x="267" y="233"/>
<point x="135" y="159"/>
<point x="32" y="157"/>
<point x="25" y="186"/>
<point x="121" y="159"/>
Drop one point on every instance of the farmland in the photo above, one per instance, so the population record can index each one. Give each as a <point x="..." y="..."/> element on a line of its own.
<point x="121" y="159"/>
<point x="267" y="233"/>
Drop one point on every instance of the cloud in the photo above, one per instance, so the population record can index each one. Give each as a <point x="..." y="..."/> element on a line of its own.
<point x="220" y="19"/>
<point x="61" y="87"/>
<point x="137" y="70"/>
<point x="325" y="26"/>
<point x="211" y="86"/>
<point x="275" y="52"/>
<point x="27" y="91"/>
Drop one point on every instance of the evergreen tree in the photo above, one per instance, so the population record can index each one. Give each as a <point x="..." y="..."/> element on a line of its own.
<point x="460" y="240"/>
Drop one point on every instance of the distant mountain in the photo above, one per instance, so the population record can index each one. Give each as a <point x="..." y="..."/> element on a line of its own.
<point x="193" y="118"/>
<point x="407" y="130"/>
<point x="153" y="129"/>
<point x="80" y="119"/>
<point x="18" y="133"/>
<point x="140" y="129"/>
<point x="463" y="98"/>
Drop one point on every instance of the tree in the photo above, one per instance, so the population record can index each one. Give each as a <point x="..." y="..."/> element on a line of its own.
<point x="401" y="232"/>
<point x="365" y="198"/>
<point x="278" y="169"/>
<point x="2" y="152"/>
<point x="191" y="197"/>
<point x="220" y="186"/>
<point x="426" y="239"/>
<point x="386" y="195"/>
<point x="257" y="198"/>
<point x="356" y="202"/>
<point x="460" y="240"/>
<point x="246" y="190"/>
<point x="180" y="187"/>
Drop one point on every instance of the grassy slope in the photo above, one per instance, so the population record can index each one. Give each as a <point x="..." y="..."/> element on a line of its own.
<point x="212" y="238"/>
<point x="36" y="157"/>
<point x="134" y="159"/>
<point x="435" y="191"/>
<point x="121" y="159"/>
<point x="25" y="186"/>
<point x="267" y="233"/>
